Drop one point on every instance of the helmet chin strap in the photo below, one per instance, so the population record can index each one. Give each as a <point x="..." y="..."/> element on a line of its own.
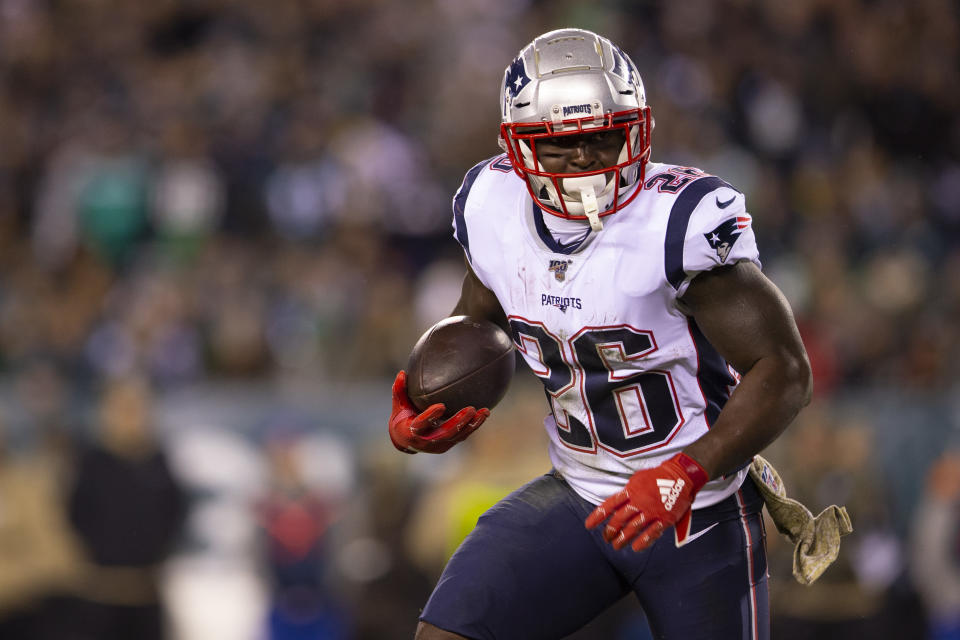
<point x="588" y="187"/>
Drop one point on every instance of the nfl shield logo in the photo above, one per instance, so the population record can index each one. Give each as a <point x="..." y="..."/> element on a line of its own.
<point x="559" y="269"/>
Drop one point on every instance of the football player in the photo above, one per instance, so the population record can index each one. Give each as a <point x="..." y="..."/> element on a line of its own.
<point x="633" y="289"/>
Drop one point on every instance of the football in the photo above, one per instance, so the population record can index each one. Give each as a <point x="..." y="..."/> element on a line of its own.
<point x="461" y="362"/>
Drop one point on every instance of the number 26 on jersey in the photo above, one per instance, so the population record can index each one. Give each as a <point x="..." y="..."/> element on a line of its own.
<point x="600" y="393"/>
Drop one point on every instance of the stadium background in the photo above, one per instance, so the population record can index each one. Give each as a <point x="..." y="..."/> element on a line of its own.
<point x="240" y="211"/>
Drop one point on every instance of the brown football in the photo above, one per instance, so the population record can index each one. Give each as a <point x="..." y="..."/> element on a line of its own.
<point x="461" y="362"/>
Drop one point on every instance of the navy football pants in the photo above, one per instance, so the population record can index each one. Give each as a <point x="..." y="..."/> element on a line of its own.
<point x="530" y="570"/>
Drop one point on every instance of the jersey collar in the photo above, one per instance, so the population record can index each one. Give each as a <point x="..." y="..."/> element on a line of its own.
<point x="549" y="240"/>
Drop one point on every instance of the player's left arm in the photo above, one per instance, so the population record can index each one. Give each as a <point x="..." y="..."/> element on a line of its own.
<point x="750" y="323"/>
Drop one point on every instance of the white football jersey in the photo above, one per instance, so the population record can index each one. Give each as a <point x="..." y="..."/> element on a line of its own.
<point x="629" y="378"/>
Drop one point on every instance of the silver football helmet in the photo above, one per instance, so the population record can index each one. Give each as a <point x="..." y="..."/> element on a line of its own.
<point x="568" y="82"/>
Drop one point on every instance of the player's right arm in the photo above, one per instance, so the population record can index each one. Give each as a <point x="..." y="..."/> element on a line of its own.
<point x="426" y="431"/>
<point x="412" y="431"/>
<point x="479" y="302"/>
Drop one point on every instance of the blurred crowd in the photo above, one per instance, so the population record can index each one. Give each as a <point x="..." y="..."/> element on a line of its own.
<point x="228" y="208"/>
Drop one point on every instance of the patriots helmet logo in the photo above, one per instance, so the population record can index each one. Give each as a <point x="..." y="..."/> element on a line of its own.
<point x="517" y="77"/>
<point x="726" y="235"/>
<point x="623" y="65"/>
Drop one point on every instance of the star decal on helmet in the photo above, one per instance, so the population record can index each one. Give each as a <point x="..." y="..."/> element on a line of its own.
<point x="517" y="77"/>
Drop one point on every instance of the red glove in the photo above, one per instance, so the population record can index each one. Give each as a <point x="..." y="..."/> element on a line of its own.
<point x="653" y="500"/>
<point x="411" y="431"/>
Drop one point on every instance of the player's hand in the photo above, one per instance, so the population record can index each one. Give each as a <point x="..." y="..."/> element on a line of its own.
<point x="412" y="431"/>
<point x="653" y="501"/>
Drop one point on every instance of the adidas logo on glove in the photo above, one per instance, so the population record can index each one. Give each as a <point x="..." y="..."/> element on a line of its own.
<point x="669" y="491"/>
<point x="677" y="482"/>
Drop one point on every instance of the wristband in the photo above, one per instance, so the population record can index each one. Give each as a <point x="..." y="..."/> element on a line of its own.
<point x="697" y="474"/>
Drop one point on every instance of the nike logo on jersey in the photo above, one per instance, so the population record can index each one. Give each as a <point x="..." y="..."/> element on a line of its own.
<point x="670" y="491"/>
<point x="724" y="205"/>
<point x="693" y="536"/>
<point x="573" y="244"/>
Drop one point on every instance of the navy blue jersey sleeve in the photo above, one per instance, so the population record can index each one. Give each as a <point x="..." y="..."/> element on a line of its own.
<point x="709" y="226"/>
